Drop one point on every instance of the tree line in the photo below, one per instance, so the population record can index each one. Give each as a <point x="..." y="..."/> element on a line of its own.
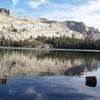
<point x="31" y="42"/>
<point x="56" y="42"/>
<point x="70" y="43"/>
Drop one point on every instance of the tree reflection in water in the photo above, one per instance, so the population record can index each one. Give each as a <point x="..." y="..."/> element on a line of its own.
<point x="47" y="75"/>
<point x="41" y="62"/>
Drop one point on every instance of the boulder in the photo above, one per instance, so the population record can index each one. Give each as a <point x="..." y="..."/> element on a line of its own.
<point x="91" y="81"/>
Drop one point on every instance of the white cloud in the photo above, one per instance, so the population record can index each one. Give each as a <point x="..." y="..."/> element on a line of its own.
<point x="30" y="91"/>
<point x="88" y="13"/>
<point x="36" y="3"/>
<point x="15" y="2"/>
<point x="20" y="10"/>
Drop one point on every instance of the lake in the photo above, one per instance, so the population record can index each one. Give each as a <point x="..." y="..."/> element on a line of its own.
<point x="48" y="75"/>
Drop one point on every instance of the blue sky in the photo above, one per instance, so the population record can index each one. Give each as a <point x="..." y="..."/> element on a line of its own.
<point x="87" y="11"/>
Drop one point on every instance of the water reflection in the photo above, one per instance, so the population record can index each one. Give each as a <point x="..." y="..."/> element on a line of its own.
<point x="48" y="88"/>
<point x="48" y="75"/>
<point x="21" y="62"/>
<point x="3" y="80"/>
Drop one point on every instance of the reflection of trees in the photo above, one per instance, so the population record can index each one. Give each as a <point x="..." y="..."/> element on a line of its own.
<point x="46" y="63"/>
<point x="90" y="60"/>
<point x="3" y="80"/>
<point x="66" y="55"/>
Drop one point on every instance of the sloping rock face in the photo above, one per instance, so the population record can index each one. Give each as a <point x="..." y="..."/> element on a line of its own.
<point x="87" y="32"/>
<point x="76" y="26"/>
<point x="24" y="28"/>
<point x="4" y="11"/>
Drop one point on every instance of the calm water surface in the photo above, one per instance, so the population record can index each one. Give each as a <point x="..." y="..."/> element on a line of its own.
<point x="48" y="75"/>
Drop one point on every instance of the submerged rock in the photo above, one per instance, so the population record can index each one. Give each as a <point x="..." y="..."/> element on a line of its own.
<point x="91" y="81"/>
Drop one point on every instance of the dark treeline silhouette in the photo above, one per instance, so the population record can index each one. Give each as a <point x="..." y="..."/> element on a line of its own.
<point x="70" y="43"/>
<point x="56" y="42"/>
<point x="31" y="42"/>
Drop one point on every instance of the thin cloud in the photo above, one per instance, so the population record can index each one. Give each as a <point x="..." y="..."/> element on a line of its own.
<point x="36" y="3"/>
<point x="88" y="13"/>
<point x="15" y="2"/>
<point x="21" y="10"/>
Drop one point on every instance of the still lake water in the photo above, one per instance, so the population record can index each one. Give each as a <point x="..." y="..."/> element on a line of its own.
<point x="48" y="75"/>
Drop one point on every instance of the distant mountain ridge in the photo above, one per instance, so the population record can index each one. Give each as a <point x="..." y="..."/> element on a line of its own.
<point x="83" y="29"/>
<point x="24" y="28"/>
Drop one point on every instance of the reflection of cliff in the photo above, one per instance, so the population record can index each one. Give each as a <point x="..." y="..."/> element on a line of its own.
<point x="19" y="64"/>
<point x="14" y="63"/>
<point x="77" y="70"/>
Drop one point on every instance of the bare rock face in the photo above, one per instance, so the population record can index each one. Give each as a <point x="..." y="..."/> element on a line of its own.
<point x="80" y="27"/>
<point x="92" y="31"/>
<point x="4" y="11"/>
<point x="76" y="26"/>
<point x="24" y="28"/>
